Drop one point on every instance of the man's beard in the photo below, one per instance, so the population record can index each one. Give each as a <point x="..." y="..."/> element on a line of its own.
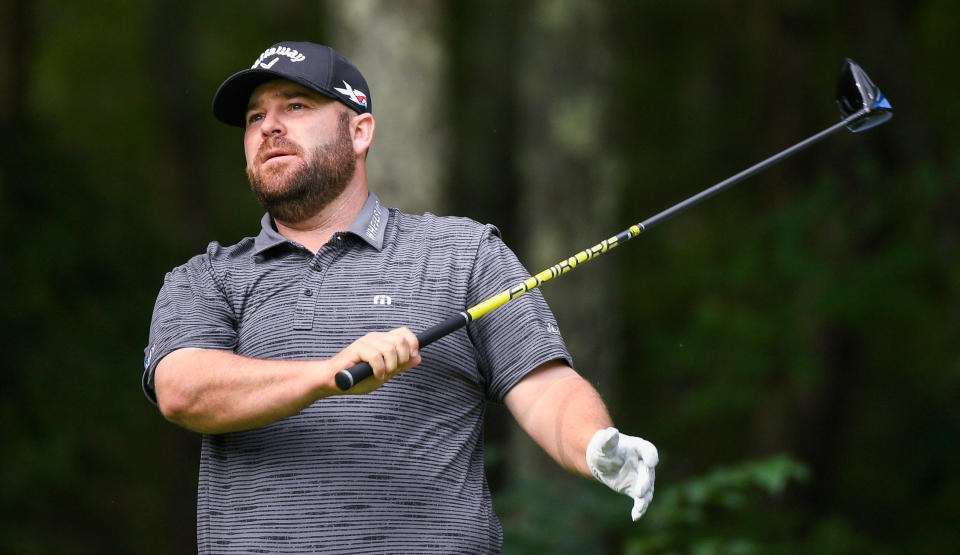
<point x="312" y="186"/>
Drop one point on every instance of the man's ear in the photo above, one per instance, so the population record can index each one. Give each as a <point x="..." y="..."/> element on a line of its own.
<point x="362" y="127"/>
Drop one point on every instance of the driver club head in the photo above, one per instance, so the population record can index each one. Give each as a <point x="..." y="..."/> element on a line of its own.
<point x="856" y="93"/>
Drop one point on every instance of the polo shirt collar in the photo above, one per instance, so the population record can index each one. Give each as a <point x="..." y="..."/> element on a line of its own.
<point x="268" y="236"/>
<point x="371" y="222"/>
<point x="369" y="225"/>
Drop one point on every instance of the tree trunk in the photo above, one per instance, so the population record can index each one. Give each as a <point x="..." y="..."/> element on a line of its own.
<point x="399" y="50"/>
<point x="570" y="182"/>
<point x="182" y="161"/>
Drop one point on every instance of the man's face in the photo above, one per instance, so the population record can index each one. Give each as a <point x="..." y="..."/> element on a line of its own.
<point x="299" y="150"/>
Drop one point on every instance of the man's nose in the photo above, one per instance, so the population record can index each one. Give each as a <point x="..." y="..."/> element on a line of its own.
<point x="272" y="124"/>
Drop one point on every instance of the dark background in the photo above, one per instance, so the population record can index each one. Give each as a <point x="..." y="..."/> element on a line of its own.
<point x="790" y="346"/>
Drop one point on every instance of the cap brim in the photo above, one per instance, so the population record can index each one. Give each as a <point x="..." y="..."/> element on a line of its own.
<point x="232" y="98"/>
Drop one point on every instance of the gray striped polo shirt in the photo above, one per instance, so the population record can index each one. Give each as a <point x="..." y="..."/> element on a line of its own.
<point x="399" y="469"/>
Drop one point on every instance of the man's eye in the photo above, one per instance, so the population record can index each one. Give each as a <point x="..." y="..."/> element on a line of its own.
<point x="254" y="118"/>
<point x="297" y="106"/>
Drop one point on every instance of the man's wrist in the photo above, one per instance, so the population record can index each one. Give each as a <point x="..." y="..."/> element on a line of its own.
<point x="324" y="373"/>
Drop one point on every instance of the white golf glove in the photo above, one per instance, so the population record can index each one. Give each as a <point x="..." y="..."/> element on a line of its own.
<point x="625" y="464"/>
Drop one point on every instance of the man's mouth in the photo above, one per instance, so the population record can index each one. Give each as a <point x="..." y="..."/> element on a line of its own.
<point x="276" y="153"/>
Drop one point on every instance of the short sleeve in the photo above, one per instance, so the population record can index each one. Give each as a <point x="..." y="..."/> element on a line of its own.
<point x="517" y="337"/>
<point x="191" y="311"/>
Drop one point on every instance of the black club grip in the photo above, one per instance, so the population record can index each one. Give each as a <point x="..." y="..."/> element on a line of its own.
<point x="358" y="372"/>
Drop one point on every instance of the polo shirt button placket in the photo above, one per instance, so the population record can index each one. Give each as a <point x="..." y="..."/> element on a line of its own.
<point x="312" y="280"/>
<point x="306" y="300"/>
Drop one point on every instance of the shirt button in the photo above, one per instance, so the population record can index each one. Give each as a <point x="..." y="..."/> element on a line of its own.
<point x="308" y="292"/>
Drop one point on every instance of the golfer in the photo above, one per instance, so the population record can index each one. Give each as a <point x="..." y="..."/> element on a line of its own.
<point x="246" y="340"/>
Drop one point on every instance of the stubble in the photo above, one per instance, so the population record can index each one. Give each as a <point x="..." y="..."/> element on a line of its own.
<point x="306" y="190"/>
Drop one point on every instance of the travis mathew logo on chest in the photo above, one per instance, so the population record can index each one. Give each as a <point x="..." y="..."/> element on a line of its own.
<point x="382" y="300"/>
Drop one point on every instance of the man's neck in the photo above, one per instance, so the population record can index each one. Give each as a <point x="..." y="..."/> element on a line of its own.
<point x="315" y="231"/>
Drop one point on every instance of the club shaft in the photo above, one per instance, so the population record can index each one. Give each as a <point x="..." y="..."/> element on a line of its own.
<point x="347" y="378"/>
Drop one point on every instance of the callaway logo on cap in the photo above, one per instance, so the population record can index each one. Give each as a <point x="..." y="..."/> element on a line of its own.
<point x="316" y="67"/>
<point x="276" y="52"/>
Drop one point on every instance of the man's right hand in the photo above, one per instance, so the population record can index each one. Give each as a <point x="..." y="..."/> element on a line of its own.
<point x="387" y="353"/>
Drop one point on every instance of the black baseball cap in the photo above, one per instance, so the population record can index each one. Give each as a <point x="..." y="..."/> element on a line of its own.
<point x="315" y="66"/>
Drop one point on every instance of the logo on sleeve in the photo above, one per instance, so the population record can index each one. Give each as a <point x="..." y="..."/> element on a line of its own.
<point x="353" y="94"/>
<point x="146" y="359"/>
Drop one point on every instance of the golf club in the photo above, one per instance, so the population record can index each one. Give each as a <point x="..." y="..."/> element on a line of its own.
<point x="861" y="105"/>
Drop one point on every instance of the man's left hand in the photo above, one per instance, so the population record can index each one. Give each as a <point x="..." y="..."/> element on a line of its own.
<point x="625" y="464"/>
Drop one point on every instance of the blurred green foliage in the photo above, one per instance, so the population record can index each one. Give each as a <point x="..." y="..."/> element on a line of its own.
<point x="726" y="511"/>
<point x="813" y="310"/>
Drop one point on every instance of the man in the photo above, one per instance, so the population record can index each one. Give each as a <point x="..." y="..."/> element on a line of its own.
<point x="246" y="340"/>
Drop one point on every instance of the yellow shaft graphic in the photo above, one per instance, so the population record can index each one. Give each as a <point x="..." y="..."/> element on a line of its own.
<point x="557" y="269"/>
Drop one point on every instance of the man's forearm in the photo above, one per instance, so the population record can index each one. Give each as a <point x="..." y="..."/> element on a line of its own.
<point x="560" y="411"/>
<point x="213" y="391"/>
